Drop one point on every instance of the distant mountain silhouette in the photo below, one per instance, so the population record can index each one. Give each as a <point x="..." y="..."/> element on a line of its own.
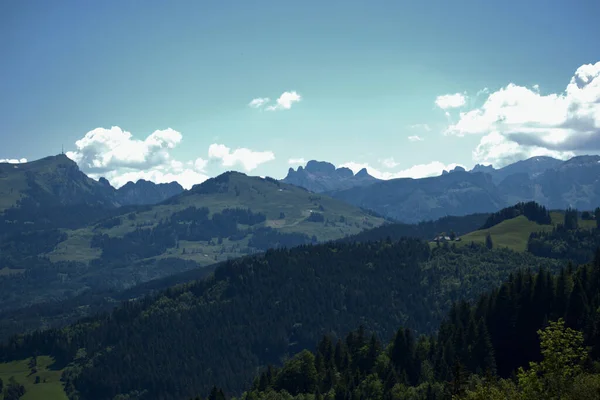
<point x="553" y="183"/>
<point x="321" y="176"/>
<point x="146" y="192"/>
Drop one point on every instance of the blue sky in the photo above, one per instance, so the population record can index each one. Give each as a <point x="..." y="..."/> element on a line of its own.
<point x="179" y="77"/>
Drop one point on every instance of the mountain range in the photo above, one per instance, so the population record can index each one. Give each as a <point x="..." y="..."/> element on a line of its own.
<point x="63" y="234"/>
<point x="553" y="183"/>
<point x="321" y="176"/>
<point x="253" y="285"/>
<point x="57" y="180"/>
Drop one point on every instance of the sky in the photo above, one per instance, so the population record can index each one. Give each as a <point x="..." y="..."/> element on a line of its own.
<point x="185" y="90"/>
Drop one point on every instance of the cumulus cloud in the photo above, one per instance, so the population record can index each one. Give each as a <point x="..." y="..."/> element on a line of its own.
<point x="421" y="127"/>
<point x="297" y="161"/>
<point x="114" y="154"/>
<point x="102" y="150"/>
<point x="247" y="158"/>
<point x="497" y="150"/>
<point x="415" y="138"/>
<point x="521" y="118"/>
<point x="187" y="174"/>
<point x="451" y="101"/>
<point x="433" y="168"/>
<point x="13" y="160"/>
<point x="258" y="102"/>
<point x="285" y="101"/>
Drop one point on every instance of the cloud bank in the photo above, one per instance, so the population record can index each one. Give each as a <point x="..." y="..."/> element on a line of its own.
<point x="433" y="168"/>
<point x="116" y="155"/>
<point x="247" y="158"/>
<point x="520" y="122"/>
<point x="13" y="160"/>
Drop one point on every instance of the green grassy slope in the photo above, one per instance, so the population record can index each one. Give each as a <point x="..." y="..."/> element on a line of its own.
<point x="232" y="190"/>
<point x="50" y="386"/>
<point x="514" y="233"/>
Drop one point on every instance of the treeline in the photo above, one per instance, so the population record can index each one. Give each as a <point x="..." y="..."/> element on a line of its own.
<point x="425" y="230"/>
<point x="257" y="310"/>
<point x="52" y="295"/>
<point x="195" y="224"/>
<point x="530" y="210"/>
<point x="496" y="337"/>
<point x="18" y="246"/>
<point x="265" y="238"/>
<point x="567" y="240"/>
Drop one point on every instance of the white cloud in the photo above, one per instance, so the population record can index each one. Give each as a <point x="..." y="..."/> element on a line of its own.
<point x="567" y="120"/>
<point x="297" y="161"/>
<point x="433" y="168"/>
<point x="114" y="154"/>
<point x="482" y="92"/>
<point x="102" y="150"/>
<point x="555" y="124"/>
<point x="497" y="150"/>
<point x="422" y="127"/>
<point x="389" y="162"/>
<point x="249" y="159"/>
<point x="285" y="101"/>
<point x="13" y="160"/>
<point x="187" y="175"/>
<point x="415" y="138"/>
<point x="258" y="102"/>
<point x="451" y="101"/>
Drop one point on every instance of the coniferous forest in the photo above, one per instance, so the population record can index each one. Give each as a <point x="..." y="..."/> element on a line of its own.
<point x="535" y="337"/>
<point x="260" y="310"/>
<point x="377" y="315"/>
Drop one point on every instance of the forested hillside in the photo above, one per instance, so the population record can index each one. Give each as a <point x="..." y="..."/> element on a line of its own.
<point x="114" y="249"/>
<point x="261" y="309"/>
<point x="542" y="328"/>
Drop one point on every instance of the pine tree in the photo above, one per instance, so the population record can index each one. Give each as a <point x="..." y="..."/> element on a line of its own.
<point x="577" y="309"/>
<point x="488" y="241"/>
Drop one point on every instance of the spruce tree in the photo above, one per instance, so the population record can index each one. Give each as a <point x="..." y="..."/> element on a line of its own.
<point x="488" y="241"/>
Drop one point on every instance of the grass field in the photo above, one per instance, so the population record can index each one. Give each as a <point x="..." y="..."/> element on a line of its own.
<point x="514" y="233"/>
<point x="50" y="386"/>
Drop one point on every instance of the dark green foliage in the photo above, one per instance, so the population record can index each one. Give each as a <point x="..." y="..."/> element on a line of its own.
<point x="571" y="221"/>
<point x="597" y="216"/>
<point x="424" y="230"/>
<point x="256" y="310"/>
<point x="561" y="243"/>
<point x="267" y="238"/>
<point x="193" y="224"/>
<point x="316" y="217"/>
<point x="16" y="247"/>
<point x="86" y="293"/>
<point x="14" y="390"/>
<point x="531" y="210"/>
<point x="491" y="338"/>
<point x="110" y="222"/>
<point x="488" y="241"/>
<point x="587" y="216"/>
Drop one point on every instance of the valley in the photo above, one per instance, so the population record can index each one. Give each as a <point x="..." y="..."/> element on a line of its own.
<point x="253" y="264"/>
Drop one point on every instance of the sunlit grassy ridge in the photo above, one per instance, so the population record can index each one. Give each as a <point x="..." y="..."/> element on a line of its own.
<point x="514" y="233"/>
<point x="50" y="386"/>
